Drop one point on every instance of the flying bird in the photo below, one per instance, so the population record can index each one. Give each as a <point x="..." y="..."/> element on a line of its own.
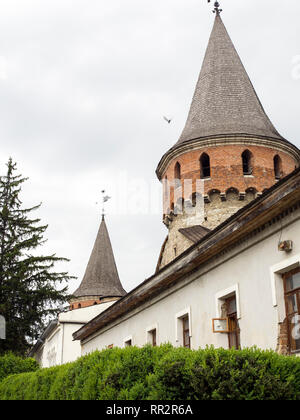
<point x="106" y="198"/>
<point x="169" y="120"/>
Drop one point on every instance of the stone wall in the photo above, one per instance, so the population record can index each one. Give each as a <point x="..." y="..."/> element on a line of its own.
<point x="217" y="208"/>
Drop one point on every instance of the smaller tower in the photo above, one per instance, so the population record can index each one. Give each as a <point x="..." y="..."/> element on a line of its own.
<point x="101" y="282"/>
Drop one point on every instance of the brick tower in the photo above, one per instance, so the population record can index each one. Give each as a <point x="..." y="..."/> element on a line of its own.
<point x="101" y="282"/>
<point x="228" y="144"/>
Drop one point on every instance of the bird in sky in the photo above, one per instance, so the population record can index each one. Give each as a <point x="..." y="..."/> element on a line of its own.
<point x="169" y="120"/>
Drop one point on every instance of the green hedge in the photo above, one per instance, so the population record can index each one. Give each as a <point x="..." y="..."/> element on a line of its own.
<point x="11" y="364"/>
<point x="163" y="373"/>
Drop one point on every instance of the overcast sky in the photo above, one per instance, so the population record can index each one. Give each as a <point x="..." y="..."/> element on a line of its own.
<point x="84" y="86"/>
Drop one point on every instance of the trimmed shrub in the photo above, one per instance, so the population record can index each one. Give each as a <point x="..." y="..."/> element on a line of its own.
<point x="163" y="373"/>
<point x="11" y="364"/>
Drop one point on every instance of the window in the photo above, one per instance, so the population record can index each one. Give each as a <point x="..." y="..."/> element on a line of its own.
<point x="153" y="338"/>
<point x="128" y="343"/>
<point x="205" y="166"/>
<point x="177" y="175"/>
<point x="247" y="162"/>
<point x="277" y="167"/>
<point x="166" y="187"/>
<point x="186" y="332"/>
<point x="233" y="325"/>
<point x="292" y="305"/>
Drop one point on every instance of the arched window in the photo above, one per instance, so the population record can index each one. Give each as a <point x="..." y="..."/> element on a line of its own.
<point x="177" y="174"/>
<point x="247" y="162"/>
<point x="205" y="166"/>
<point x="277" y="167"/>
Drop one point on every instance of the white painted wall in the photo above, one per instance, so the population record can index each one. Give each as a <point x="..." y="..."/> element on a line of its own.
<point x="247" y="269"/>
<point x="59" y="347"/>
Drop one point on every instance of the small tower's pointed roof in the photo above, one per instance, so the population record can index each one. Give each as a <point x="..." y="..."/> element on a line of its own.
<point x="101" y="277"/>
<point x="225" y="102"/>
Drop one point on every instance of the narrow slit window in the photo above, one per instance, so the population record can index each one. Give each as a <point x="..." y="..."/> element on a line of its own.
<point x="277" y="167"/>
<point x="247" y="162"/>
<point x="177" y="174"/>
<point x="205" y="166"/>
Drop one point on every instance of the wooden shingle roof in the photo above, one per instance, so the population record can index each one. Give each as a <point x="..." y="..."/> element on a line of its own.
<point x="225" y="102"/>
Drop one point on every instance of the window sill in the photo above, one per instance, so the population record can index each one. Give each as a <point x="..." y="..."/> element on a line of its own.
<point x="248" y="176"/>
<point x="206" y="179"/>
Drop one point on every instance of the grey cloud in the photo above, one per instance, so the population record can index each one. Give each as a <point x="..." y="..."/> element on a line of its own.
<point x="87" y="85"/>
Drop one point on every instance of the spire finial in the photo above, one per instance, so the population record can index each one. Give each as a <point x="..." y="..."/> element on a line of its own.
<point x="105" y="199"/>
<point x="217" y="9"/>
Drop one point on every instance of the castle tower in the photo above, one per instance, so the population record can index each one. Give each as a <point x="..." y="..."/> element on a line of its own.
<point x="228" y="145"/>
<point x="101" y="282"/>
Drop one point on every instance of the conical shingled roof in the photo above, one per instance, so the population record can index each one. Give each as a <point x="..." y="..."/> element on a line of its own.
<point x="101" y="277"/>
<point x="225" y="102"/>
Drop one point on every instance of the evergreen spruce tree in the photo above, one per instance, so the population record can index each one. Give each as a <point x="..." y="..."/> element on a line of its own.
<point x="30" y="288"/>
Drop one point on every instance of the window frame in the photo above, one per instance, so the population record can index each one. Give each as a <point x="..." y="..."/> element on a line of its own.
<point x="186" y="331"/>
<point x="153" y="334"/>
<point x="127" y="340"/>
<point x="233" y="319"/>
<point x="287" y="293"/>
<point x="226" y="331"/>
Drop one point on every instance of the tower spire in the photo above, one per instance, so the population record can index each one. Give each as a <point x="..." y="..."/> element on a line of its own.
<point x="225" y="102"/>
<point x="101" y="277"/>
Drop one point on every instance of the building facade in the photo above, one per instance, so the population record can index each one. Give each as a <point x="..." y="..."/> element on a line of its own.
<point x="238" y="286"/>
<point x="228" y="273"/>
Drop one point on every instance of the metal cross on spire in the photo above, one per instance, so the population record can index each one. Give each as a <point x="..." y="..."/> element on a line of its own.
<point x="105" y="199"/>
<point x="217" y="9"/>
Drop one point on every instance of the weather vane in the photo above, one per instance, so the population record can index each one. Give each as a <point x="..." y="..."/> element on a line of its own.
<point x="217" y="9"/>
<point x="105" y="199"/>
